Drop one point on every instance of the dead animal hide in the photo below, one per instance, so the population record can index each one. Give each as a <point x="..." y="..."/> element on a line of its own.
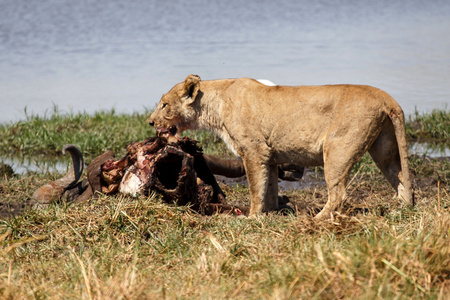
<point x="54" y="190"/>
<point x="177" y="170"/>
<point x="94" y="180"/>
<point x="234" y="168"/>
<point x="171" y="170"/>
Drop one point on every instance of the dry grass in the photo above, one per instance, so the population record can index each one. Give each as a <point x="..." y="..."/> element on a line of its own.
<point x="125" y="248"/>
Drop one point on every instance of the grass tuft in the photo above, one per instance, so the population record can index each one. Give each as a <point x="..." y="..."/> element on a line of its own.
<point x="118" y="247"/>
<point x="94" y="134"/>
<point x="122" y="247"/>
<point x="431" y="127"/>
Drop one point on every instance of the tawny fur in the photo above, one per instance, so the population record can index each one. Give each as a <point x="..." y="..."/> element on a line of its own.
<point x="330" y="126"/>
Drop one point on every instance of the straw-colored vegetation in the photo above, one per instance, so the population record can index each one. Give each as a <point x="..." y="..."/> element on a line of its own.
<point x="125" y="248"/>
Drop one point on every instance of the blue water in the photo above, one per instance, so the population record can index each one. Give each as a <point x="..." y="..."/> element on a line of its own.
<point x="90" y="55"/>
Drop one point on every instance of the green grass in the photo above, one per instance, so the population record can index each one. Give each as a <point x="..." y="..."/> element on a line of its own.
<point x="93" y="134"/>
<point x="430" y="127"/>
<point x="124" y="248"/>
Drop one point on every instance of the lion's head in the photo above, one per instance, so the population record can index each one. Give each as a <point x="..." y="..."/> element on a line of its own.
<point x="175" y="111"/>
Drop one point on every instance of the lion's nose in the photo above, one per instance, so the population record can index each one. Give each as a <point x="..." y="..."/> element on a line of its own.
<point x="151" y="121"/>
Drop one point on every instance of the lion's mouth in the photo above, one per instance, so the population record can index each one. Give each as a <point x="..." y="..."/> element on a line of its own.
<point x="173" y="130"/>
<point x="166" y="133"/>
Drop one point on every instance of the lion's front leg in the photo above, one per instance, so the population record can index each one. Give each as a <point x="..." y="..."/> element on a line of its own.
<point x="263" y="185"/>
<point x="271" y="202"/>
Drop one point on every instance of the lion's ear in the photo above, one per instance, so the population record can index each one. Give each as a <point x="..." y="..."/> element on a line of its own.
<point x="191" y="88"/>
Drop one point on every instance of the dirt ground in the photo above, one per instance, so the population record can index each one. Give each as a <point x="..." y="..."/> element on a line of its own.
<point x="366" y="190"/>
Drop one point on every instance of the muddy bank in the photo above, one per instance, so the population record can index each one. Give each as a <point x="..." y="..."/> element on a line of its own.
<point x="306" y="195"/>
<point x="310" y="179"/>
<point x="177" y="170"/>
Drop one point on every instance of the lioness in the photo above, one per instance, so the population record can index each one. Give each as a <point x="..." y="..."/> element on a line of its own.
<point x="330" y="126"/>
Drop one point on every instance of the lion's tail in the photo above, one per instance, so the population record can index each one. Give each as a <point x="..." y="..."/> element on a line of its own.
<point x="398" y="120"/>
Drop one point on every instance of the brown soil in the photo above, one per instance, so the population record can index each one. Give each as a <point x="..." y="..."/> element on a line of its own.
<point x="366" y="191"/>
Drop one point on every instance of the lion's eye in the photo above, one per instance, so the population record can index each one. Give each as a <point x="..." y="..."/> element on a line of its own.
<point x="164" y="105"/>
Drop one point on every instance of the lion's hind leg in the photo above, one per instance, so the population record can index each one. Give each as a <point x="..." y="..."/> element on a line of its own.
<point x="341" y="150"/>
<point x="336" y="196"/>
<point x="337" y="169"/>
<point x="385" y="153"/>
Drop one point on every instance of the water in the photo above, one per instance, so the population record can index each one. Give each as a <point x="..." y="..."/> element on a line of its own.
<point x="89" y="55"/>
<point x="36" y="164"/>
<point x="429" y="150"/>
